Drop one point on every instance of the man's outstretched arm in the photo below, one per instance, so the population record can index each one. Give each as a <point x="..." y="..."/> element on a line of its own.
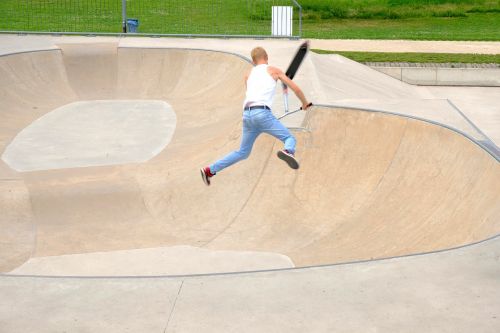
<point x="279" y="74"/>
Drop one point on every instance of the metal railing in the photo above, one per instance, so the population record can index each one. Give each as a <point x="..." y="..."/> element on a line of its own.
<point x="225" y="18"/>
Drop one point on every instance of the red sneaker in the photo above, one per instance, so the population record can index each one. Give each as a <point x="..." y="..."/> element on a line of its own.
<point x="289" y="158"/>
<point x="206" y="174"/>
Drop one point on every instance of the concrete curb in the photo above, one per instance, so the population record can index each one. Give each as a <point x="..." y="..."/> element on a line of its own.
<point x="479" y="75"/>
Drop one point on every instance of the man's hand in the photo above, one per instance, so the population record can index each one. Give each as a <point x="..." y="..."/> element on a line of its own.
<point x="285" y="89"/>
<point x="306" y="106"/>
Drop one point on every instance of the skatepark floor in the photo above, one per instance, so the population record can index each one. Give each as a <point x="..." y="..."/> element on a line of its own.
<point x="391" y="224"/>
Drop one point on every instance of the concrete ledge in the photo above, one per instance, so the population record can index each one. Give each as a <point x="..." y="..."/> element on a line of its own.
<point x="444" y="76"/>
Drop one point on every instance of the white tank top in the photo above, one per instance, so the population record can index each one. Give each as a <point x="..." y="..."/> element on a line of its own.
<point x="260" y="87"/>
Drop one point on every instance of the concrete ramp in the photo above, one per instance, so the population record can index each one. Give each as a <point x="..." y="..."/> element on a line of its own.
<point x="371" y="185"/>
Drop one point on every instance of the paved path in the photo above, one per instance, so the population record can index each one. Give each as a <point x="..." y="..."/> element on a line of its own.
<point x="454" y="291"/>
<point x="406" y="46"/>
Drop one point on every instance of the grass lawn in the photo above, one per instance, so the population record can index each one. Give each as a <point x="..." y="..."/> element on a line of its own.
<point x="416" y="57"/>
<point x="473" y="27"/>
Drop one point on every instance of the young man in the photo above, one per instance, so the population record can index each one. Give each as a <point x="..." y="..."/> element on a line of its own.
<point x="257" y="116"/>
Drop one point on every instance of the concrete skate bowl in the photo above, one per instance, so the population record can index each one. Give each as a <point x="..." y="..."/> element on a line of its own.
<point x="371" y="185"/>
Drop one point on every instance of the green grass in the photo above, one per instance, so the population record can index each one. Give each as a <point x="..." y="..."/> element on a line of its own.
<point x="473" y="27"/>
<point x="416" y="57"/>
<point x="155" y="16"/>
<point x="403" y="19"/>
<point x="355" y="19"/>
<point x="394" y="9"/>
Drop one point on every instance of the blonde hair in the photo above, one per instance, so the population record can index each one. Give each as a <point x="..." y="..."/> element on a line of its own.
<point x="258" y="53"/>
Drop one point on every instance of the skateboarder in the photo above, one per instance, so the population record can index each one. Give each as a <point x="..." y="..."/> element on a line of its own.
<point x="257" y="116"/>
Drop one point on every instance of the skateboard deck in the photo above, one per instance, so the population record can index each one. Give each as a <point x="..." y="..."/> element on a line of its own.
<point x="293" y="68"/>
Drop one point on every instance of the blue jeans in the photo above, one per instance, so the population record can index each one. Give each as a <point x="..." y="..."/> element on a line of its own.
<point x="255" y="122"/>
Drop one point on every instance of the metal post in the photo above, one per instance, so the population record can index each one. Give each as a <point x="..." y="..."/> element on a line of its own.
<point x="124" y="16"/>
<point x="300" y="17"/>
<point x="300" y="22"/>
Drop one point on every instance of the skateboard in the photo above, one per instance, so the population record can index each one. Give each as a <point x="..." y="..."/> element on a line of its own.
<point x="293" y="68"/>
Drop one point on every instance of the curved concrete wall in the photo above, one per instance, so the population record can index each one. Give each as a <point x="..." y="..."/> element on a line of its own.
<point x="371" y="185"/>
